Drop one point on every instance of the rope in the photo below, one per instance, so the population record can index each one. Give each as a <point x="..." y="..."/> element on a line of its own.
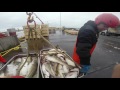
<point x="65" y="54"/>
<point x="38" y="18"/>
<point x="14" y="48"/>
<point x="29" y="20"/>
<point x="18" y="70"/>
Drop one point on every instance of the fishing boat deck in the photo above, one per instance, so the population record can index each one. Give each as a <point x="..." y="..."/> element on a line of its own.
<point x="101" y="57"/>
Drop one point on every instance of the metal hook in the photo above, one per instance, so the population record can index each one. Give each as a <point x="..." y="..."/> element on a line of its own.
<point x="30" y="19"/>
<point x="29" y="13"/>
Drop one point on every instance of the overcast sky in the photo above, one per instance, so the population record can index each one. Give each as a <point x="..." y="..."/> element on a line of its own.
<point x="68" y="19"/>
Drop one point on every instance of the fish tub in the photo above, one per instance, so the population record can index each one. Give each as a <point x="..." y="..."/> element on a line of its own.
<point x="16" y="63"/>
<point x="57" y="64"/>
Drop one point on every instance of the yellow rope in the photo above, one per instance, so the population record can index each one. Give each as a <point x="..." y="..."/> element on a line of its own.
<point x="15" y="49"/>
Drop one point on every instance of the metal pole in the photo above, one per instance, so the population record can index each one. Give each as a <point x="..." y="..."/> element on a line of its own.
<point x="60" y="20"/>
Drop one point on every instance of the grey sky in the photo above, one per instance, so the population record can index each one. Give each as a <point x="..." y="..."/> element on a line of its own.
<point x="68" y="19"/>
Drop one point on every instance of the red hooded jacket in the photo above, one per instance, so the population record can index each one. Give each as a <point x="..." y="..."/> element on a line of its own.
<point x="85" y="43"/>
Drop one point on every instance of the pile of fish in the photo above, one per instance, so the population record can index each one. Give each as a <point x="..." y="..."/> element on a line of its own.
<point x="55" y="64"/>
<point x="21" y="67"/>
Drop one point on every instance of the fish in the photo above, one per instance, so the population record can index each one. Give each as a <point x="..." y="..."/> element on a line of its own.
<point x="2" y="74"/>
<point x="46" y="74"/>
<point x="5" y="76"/>
<point x="17" y="61"/>
<point x="11" y="69"/>
<point x="54" y="67"/>
<point x="72" y="75"/>
<point x="24" y="70"/>
<point x="69" y="62"/>
<point x="57" y="50"/>
<point x="75" y="70"/>
<point x="35" y="76"/>
<point x="48" y="67"/>
<point x="43" y="60"/>
<point x="61" y="57"/>
<point x="29" y="60"/>
<point x="65" y="69"/>
<point x="23" y="59"/>
<point x="12" y="62"/>
<point x="56" y="60"/>
<point x="32" y="68"/>
<point x="60" y="71"/>
<point x="44" y="52"/>
<point x="52" y="50"/>
<point x="62" y="51"/>
<point x="81" y="76"/>
<point x="51" y="53"/>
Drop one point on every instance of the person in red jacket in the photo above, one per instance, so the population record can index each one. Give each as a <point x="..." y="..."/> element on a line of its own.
<point x="88" y="36"/>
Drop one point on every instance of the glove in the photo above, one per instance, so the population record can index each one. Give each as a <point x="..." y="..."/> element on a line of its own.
<point x="85" y="68"/>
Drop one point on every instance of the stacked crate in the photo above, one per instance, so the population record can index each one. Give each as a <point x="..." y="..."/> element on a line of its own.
<point x="36" y="44"/>
<point x="40" y="29"/>
<point x="44" y="29"/>
<point x="26" y="29"/>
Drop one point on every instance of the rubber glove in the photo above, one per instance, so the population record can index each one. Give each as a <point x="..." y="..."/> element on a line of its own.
<point x="85" y="68"/>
